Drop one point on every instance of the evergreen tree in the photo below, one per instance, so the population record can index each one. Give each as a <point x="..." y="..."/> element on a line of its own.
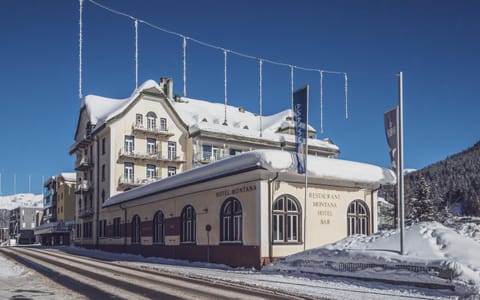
<point x="422" y="207"/>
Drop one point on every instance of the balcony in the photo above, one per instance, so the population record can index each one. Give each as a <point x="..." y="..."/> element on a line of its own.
<point x="83" y="187"/>
<point x="156" y="131"/>
<point x="152" y="156"/>
<point x="83" y="164"/>
<point x="130" y="182"/>
<point x="85" y="213"/>
<point x="147" y="157"/>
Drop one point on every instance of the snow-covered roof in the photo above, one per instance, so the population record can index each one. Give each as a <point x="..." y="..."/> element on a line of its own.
<point x="101" y="109"/>
<point x="69" y="176"/>
<point x="324" y="168"/>
<point x="205" y="116"/>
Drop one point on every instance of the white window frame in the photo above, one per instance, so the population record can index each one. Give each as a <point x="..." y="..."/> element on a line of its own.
<point x="172" y="150"/>
<point x="171" y="171"/>
<point x="129" y="144"/>
<point x="151" y="171"/>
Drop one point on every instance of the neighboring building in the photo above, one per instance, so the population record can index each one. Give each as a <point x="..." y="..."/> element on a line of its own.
<point x="22" y="224"/>
<point x="122" y="144"/>
<point x="4" y="221"/>
<point x="58" y="216"/>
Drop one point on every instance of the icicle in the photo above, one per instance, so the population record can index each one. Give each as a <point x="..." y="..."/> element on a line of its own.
<point x="184" y="66"/>
<point x="80" y="46"/>
<point x="291" y="86"/>
<point x="261" y="95"/>
<point x="321" y="102"/>
<point x="225" y="82"/>
<point x="136" y="53"/>
<point x="346" y="95"/>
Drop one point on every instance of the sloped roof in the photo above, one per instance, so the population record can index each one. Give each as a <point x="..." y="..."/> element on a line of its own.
<point x="327" y="169"/>
<point x="203" y="115"/>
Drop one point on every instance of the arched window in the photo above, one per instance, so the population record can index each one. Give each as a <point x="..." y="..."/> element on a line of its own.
<point x="286" y="219"/>
<point x="158" y="228"/>
<point x="231" y="221"/>
<point x="151" y="121"/>
<point x="188" y="225"/>
<point x="136" y="228"/>
<point x="357" y="218"/>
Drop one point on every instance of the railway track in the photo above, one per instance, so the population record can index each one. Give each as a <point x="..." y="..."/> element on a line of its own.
<point x="99" y="279"/>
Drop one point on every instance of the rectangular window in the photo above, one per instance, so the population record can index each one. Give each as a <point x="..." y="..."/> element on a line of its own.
<point x="139" y="121"/>
<point x="216" y="153"/>
<point x="172" y="150"/>
<point x="151" y="174"/>
<point x="151" y="146"/>
<point x="278" y="228"/>
<point x="129" y="144"/>
<point x="78" y="230"/>
<point x="116" y="227"/>
<point x="102" y="228"/>
<point x="103" y="146"/>
<point x="206" y="152"/>
<point x="172" y="171"/>
<point x="103" y="172"/>
<point x="163" y="124"/>
<point x="234" y="152"/>
<point x="128" y="172"/>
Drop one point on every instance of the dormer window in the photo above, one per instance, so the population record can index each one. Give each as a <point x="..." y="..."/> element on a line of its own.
<point x="151" y="120"/>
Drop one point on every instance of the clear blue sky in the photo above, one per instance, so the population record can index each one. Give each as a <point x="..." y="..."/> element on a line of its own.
<point x="435" y="43"/>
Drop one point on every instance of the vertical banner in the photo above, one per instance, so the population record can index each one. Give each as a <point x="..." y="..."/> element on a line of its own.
<point x="391" y="121"/>
<point x="300" y="111"/>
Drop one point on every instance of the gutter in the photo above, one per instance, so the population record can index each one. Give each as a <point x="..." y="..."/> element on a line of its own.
<point x="270" y="201"/>
<point x="125" y="225"/>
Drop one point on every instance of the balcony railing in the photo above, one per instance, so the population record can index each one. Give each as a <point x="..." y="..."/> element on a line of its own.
<point x="153" y="157"/>
<point x="83" y="164"/>
<point x="130" y="182"/>
<point x="85" y="213"/>
<point x="157" y="131"/>
<point x="83" y="187"/>
<point x="147" y="156"/>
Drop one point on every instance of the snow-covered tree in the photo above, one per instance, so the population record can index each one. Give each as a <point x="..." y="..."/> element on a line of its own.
<point x="422" y="207"/>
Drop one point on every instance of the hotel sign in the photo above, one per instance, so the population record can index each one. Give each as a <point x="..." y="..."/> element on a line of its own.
<point x="235" y="191"/>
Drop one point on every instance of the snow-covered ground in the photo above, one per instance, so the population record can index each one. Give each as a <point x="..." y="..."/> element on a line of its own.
<point x="428" y="246"/>
<point x="19" y="282"/>
<point x="14" y="201"/>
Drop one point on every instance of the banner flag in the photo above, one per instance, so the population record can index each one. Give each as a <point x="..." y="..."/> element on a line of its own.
<point x="391" y="131"/>
<point x="300" y="111"/>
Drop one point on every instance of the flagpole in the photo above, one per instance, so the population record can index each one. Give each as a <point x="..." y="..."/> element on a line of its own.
<point x="400" y="185"/>
<point x="306" y="177"/>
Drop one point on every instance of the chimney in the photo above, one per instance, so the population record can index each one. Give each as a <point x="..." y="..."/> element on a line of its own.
<point x="166" y="84"/>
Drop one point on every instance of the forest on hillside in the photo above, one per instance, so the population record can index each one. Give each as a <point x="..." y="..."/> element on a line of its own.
<point x="451" y="186"/>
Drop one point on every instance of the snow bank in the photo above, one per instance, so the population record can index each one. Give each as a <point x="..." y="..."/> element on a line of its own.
<point x="429" y="248"/>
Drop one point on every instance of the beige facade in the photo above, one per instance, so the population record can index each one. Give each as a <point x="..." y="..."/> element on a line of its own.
<point x="241" y="201"/>
<point x="123" y="144"/>
<point x="273" y="217"/>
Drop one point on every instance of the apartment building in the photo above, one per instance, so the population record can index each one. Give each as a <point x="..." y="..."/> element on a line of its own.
<point x="121" y="144"/>
<point x="58" y="217"/>
<point x="22" y="224"/>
